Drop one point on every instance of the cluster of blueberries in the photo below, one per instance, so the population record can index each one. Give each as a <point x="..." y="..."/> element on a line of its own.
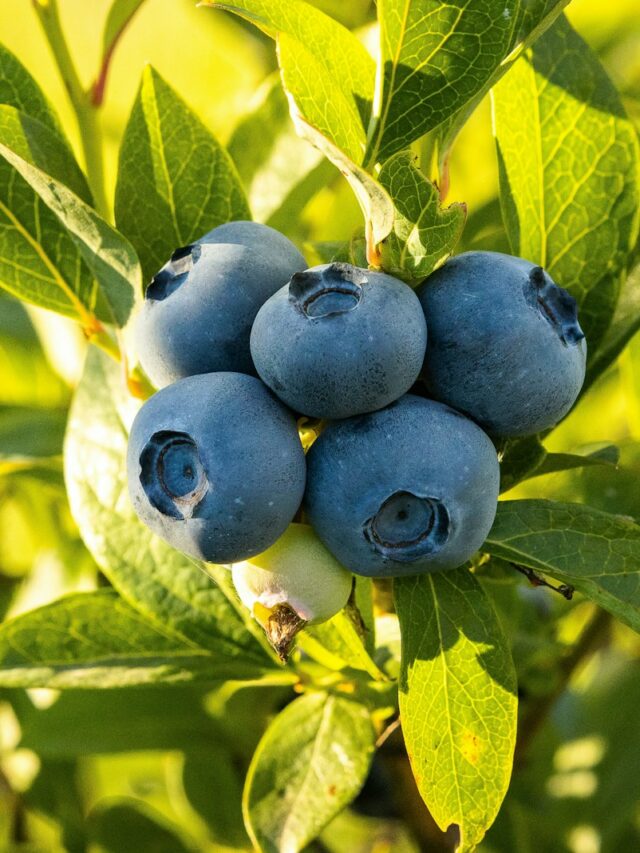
<point x="408" y="388"/>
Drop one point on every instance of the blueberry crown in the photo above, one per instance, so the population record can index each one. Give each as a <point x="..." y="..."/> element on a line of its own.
<point x="335" y="289"/>
<point x="174" y="272"/>
<point x="556" y="305"/>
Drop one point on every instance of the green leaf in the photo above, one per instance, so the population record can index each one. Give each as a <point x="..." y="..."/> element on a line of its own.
<point x="424" y="233"/>
<point x="213" y="785"/>
<point x="363" y="609"/>
<point x="311" y="762"/>
<point x="95" y="639"/>
<point x="29" y="435"/>
<point x="554" y="462"/>
<point x="90" y="722"/>
<point x="280" y="171"/>
<point x="322" y="63"/>
<point x="519" y="459"/>
<point x="434" y="58"/>
<point x="524" y="458"/>
<point x="27" y="377"/>
<point x="132" y="825"/>
<point x="375" y="202"/>
<point x="534" y="17"/>
<point x="172" y="590"/>
<point x="458" y="702"/>
<point x="120" y="14"/>
<point x="54" y="245"/>
<point x="625" y="323"/>
<point x="338" y="644"/>
<point x="569" y="179"/>
<point x="595" y="552"/>
<point x="39" y="261"/>
<point x="19" y="89"/>
<point x="175" y="181"/>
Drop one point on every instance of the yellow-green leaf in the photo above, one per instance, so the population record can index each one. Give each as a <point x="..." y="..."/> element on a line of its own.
<point x="595" y="552"/>
<point x="175" y="181"/>
<point x="569" y="166"/>
<point x="424" y="232"/>
<point x="311" y="762"/>
<point x="434" y="57"/>
<point x="458" y="701"/>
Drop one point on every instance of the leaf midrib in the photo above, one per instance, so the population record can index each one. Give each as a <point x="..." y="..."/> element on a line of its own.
<point x="448" y="711"/>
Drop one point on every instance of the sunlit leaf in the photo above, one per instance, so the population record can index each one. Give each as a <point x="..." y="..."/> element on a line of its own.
<point x="120" y="13"/>
<point x="322" y="63"/>
<point x="280" y="171"/>
<point x="570" y="182"/>
<point x="96" y="639"/>
<point x="18" y="89"/>
<point x="424" y="232"/>
<point x="106" y="253"/>
<point x="311" y="762"/>
<point x="434" y="57"/>
<point x="458" y="701"/>
<point x="175" y="181"/>
<point x="534" y="17"/>
<point x="39" y="260"/>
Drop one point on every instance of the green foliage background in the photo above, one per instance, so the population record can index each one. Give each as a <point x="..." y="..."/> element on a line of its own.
<point x="162" y="768"/>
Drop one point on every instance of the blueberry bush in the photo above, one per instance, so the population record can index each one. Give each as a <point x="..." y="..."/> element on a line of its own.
<point x="312" y="535"/>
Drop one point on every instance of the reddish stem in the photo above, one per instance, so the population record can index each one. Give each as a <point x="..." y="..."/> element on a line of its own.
<point x="100" y="85"/>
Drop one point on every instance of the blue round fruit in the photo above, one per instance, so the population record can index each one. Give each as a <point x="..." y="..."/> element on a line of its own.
<point x="505" y="344"/>
<point x="198" y="310"/>
<point x="215" y="466"/>
<point x="408" y="489"/>
<point x="338" y="341"/>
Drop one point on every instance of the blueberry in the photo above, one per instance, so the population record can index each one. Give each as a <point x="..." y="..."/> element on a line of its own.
<point x="505" y="345"/>
<point x="297" y="572"/>
<point x="198" y="310"/>
<point x="412" y="488"/>
<point x="339" y="341"/>
<point x="215" y="466"/>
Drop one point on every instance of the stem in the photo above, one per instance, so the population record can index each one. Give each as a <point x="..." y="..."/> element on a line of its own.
<point x="18" y="830"/>
<point x="565" y="590"/>
<point x="86" y="113"/>
<point x="100" y="85"/>
<point x="538" y="711"/>
<point x="86" y="107"/>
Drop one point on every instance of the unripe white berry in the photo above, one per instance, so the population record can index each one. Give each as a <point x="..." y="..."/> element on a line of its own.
<point x="297" y="571"/>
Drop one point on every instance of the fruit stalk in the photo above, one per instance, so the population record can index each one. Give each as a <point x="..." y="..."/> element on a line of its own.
<point x="86" y="111"/>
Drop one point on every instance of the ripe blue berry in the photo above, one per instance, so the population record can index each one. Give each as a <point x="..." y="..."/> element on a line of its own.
<point x="505" y="344"/>
<point x="215" y="466"/>
<point x="198" y="310"/>
<point x="339" y="341"/>
<point x="411" y="488"/>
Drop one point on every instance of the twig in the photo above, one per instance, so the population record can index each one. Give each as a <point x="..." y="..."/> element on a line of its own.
<point x="538" y="710"/>
<point x="86" y="113"/>
<point x="18" y="829"/>
<point x="99" y="87"/>
<point x="564" y="589"/>
<point x="390" y="729"/>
